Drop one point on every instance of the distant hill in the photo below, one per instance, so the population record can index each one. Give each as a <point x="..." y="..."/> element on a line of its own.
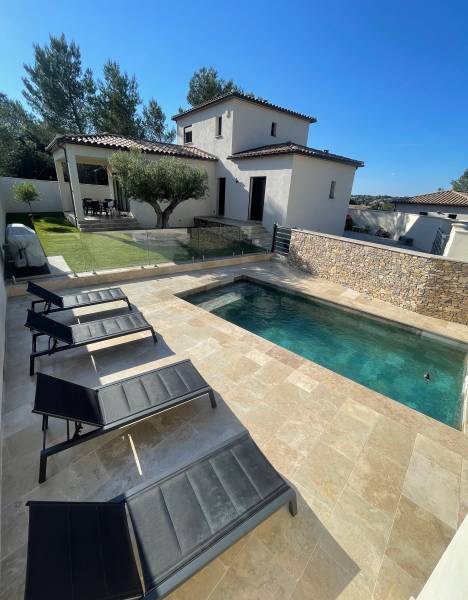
<point x="383" y="202"/>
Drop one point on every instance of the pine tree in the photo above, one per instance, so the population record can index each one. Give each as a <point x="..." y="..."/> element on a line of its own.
<point x="57" y="88"/>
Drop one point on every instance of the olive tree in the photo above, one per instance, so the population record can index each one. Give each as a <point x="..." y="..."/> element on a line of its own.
<point x="27" y="193"/>
<point x="163" y="183"/>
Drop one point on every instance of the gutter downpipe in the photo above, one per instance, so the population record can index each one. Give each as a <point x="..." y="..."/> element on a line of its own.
<point x="69" y="184"/>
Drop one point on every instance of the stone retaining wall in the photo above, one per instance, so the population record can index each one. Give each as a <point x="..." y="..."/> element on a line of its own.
<point x="430" y="285"/>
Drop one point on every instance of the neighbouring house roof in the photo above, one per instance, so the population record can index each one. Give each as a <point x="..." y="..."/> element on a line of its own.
<point x="292" y="148"/>
<point x="247" y="98"/>
<point x="447" y="197"/>
<point x="120" y="142"/>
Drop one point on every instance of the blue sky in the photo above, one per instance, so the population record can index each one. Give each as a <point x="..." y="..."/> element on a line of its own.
<point x="388" y="81"/>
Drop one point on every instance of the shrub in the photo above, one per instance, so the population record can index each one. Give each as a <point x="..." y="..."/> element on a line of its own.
<point x="26" y="192"/>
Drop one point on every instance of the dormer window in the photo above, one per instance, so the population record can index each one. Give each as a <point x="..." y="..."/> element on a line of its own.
<point x="188" y="134"/>
<point x="332" y="189"/>
<point x="219" y="126"/>
<point x="273" y="129"/>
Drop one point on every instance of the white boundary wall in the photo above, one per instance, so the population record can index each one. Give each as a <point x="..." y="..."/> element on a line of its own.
<point x="49" y="196"/>
<point x="422" y="229"/>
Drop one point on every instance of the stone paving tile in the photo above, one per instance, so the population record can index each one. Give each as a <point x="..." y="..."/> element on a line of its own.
<point x="393" y="583"/>
<point x="325" y="472"/>
<point x="349" y="450"/>
<point x="378" y="480"/>
<point x="418" y="539"/>
<point x="434" y="488"/>
<point x="392" y="439"/>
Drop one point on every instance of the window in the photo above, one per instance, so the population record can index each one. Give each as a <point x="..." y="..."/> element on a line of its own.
<point x="91" y="174"/>
<point x="273" y="129"/>
<point x="423" y="213"/>
<point x="332" y="189"/>
<point x="188" y="134"/>
<point x="452" y="216"/>
<point x="219" y="126"/>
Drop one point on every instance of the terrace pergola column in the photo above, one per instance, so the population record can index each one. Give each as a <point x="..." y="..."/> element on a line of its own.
<point x="77" y="200"/>
<point x="110" y="179"/>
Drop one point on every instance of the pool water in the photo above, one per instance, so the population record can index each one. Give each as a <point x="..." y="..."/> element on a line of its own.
<point x="385" y="358"/>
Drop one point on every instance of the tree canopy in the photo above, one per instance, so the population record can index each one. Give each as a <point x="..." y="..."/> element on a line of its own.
<point x="154" y="124"/>
<point x="163" y="183"/>
<point x="205" y="84"/>
<point x="64" y="98"/>
<point x="115" y="107"/>
<point x="57" y="88"/>
<point x="22" y="143"/>
<point x="461" y="184"/>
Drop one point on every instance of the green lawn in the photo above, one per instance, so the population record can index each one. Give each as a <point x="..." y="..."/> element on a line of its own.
<point x="113" y="249"/>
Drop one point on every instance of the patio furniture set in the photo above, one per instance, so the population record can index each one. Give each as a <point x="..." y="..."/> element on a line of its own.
<point x="99" y="207"/>
<point x="179" y="522"/>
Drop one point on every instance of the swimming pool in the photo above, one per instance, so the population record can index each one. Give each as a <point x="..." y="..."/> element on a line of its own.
<point x="423" y="373"/>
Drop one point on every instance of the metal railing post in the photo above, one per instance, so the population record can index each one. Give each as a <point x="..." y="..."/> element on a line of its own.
<point x="273" y="241"/>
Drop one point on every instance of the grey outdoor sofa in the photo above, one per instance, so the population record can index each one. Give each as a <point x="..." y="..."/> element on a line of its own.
<point x="53" y="302"/>
<point x="113" y="405"/>
<point x="65" y="337"/>
<point x="181" y="522"/>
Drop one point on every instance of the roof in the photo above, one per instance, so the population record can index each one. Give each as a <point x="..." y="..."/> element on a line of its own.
<point x="447" y="197"/>
<point x="247" y="98"/>
<point x="121" y="142"/>
<point x="292" y="148"/>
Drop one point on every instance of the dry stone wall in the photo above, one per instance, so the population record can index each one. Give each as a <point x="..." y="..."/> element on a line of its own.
<point x="426" y="284"/>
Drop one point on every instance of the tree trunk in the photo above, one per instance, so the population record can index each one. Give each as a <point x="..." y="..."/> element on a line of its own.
<point x="166" y="214"/>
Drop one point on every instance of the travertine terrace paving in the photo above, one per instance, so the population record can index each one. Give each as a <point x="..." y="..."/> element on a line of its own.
<point x="381" y="488"/>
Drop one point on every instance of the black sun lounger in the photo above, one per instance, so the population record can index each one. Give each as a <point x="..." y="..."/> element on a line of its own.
<point x="83" y="550"/>
<point x="64" y="337"/>
<point x="114" y="405"/>
<point x="53" y="302"/>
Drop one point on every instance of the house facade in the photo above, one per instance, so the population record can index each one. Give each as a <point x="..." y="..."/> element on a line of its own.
<point x="259" y="168"/>
<point x="265" y="172"/>
<point x="447" y="203"/>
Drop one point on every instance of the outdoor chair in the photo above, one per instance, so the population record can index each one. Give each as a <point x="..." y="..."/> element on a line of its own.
<point x="87" y="205"/>
<point x="65" y="337"/>
<point x="180" y="523"/>
<point x="71" y="301"/>
<point x="114" y="405"/>
<point x="95" y="207"/>
<point x="108" y="206"/>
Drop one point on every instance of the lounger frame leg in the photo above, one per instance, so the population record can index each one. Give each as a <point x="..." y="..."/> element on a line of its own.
<point x="153" y="333"/>
<point x="293" y="506"/>
<point x="128" y="303"/>
<point x="212" y="399"/>
<point x="69" y="443"/>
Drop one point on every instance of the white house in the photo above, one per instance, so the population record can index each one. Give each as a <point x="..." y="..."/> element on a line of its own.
<point x="447" y="203"/>
<point x="259" y="167"/>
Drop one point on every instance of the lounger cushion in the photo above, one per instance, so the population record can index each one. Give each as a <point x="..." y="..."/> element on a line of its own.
<point x="112" y="326"/>
<point x="60" y="398"/>
<point x="89" y="298"/>
<point x="158" y="389"/>
<point x="45" y="294"/>
<point x="51" y="327"/>
<point x="178" y="518"/>
<point x="81" y="551"/>
<point x="150" y="390"/>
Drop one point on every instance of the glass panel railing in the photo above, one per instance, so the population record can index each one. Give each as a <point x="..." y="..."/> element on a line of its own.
<point x="71" y="251"/>
<point x="116" y="249"/>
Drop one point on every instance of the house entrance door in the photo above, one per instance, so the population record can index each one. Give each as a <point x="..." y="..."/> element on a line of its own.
<point x="257" y="198"/>
<point x="221" y="195"/>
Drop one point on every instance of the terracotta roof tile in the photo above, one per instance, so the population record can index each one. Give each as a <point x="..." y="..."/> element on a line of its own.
<point x="292" y="148"/>
<point x="447" y="197"/>
<point x="120" y="142"/>
<point x="247" y="98"/>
